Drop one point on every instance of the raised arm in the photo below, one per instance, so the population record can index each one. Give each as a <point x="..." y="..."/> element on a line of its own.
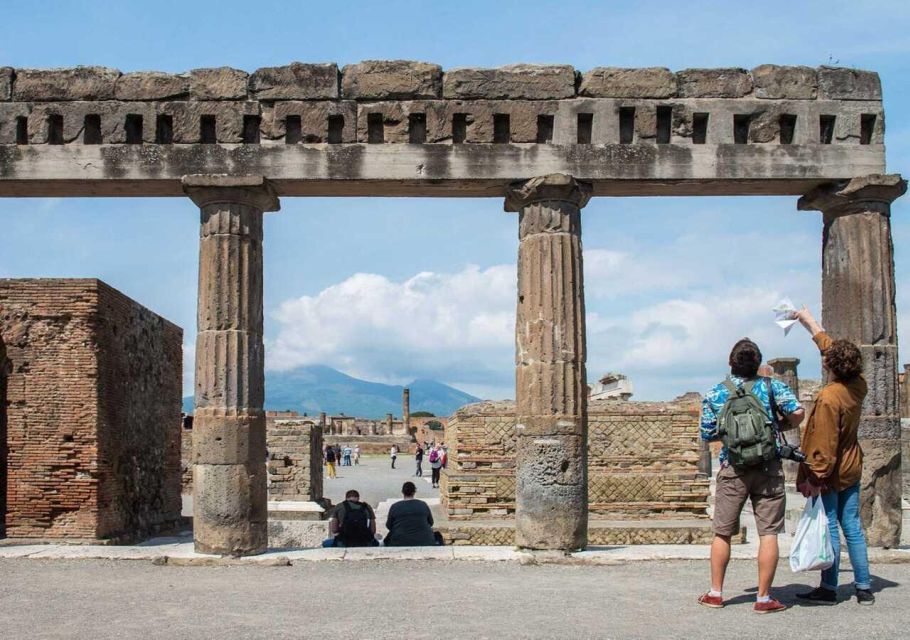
<point x="806" y="319"/>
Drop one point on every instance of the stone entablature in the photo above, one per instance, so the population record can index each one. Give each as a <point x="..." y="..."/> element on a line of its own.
<point x="642" y="462"/>
<point x="314" y="130"/>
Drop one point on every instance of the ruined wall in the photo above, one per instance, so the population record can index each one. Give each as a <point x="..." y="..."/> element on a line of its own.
<point x="94" y="412"/>
<point x="294" y="460"/>
<point x="416" y="102"/>
<point x="642" y="461"/>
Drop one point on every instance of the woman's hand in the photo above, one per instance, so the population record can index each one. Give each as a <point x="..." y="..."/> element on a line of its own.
<point x="806" y="319"/>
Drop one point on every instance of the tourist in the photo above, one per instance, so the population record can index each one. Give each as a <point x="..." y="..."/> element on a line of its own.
<point x="353" y="523"/>
<point x="393" y="453"/>
<point x="346" y="453"/>
<point x="834" y="460"/>
<point x="356" y="454"/>
<point x="749" y="468"/>
<point x="435" y="459"/>
<point x="418" y="456"/>
<point x="330" y="462"/>
<point x="410" y="522"/>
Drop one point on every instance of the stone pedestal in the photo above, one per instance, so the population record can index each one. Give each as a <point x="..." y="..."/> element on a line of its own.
<point x="229" y="438"/>
<point x="550" y="382"/>
<point x="858" y="304"/>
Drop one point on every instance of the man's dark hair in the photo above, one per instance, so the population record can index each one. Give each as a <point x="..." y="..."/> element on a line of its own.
<point x="408" y="489"/>
<point x="745" y="359"/>
<point x="352" y="493"/>
<point x="844" y="360"/>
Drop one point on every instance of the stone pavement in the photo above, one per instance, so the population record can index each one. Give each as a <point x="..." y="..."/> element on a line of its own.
<point x="102" y="600"/>
<point x="377" y="481"/>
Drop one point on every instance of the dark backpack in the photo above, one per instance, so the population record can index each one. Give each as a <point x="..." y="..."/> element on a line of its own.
<point x="744" y="426"/>
<point x="355" y="526"/>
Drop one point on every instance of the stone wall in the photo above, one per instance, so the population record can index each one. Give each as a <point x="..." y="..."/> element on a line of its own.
<point x="905" y="454"/>
<point x="93" y="416"/>
<point x="642" y="462"/>
<point x="294" y="460"/>
<point x="416" y="102"/>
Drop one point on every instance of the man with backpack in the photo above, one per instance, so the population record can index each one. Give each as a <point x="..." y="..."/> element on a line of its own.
<point x="742" y="412"/>
<point x="353" y="523"/>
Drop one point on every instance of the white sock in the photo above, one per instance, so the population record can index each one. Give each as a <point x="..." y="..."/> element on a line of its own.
<point x="715" y="594"/>
<point x="763" y="598"/>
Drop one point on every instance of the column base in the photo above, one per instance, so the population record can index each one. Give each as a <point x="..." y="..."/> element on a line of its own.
<point x="230" y="514"/>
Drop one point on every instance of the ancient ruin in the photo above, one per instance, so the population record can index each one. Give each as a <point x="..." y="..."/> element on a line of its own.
<point x="90" y="422"/>
<point x="543" y="137"/>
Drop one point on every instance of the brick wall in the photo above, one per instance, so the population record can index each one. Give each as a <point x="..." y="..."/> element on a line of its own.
<point x="295" y="460"/>
<point x="642" y="461"/>
<point x="93" y="412"/>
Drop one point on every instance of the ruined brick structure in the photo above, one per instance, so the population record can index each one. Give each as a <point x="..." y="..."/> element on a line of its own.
<point x="294" y="460"/>
<point x="92" y="412"/>
<point x="545" y="138"/>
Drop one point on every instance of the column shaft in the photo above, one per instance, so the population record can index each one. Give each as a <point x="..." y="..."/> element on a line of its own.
<point x="550" y="381"/>
<point x="229" y="439"/>
<point x="858" y="305"/>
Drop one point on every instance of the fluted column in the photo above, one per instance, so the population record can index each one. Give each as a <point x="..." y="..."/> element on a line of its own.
<point x="229" y="448"/>
<point x="858" y="304"/>
<point x="551" y="396"/>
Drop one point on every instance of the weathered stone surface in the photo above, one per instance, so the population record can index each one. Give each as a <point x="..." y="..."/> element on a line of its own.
<point x="76" y="83"/>
<point x="714" y="83"/>
<point x="551" y="395"/>
<point x="880" y="492"/>
<point x="230" y="514"/>
<point x="519" y="81"/>
<point x="235" y="439"/>
<point x="618" y="82"/>
<point x="218" y="83"/>
<point x="6" y="83"/>
<point x="187" y="115"/>
<point x="391" y="80"/>
<point x="781" y="82"/>
<point x="314" y="120"/>
<point x="151" y="85"/>
<point x="296" y="81"/>
<point x="841" y="83"/>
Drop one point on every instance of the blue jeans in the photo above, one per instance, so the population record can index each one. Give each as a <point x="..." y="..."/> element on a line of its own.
<point x="842" y="507"/>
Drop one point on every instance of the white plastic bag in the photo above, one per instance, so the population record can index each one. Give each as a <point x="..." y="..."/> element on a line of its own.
<point x="812" y="550"/>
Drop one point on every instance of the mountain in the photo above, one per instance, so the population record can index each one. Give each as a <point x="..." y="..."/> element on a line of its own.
<point x="318" y="388"/>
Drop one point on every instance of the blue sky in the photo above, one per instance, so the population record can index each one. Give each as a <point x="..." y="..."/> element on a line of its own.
<point x="393" y="289"/>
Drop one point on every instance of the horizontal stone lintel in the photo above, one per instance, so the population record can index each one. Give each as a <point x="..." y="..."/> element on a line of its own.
<point x="469" y="170"/>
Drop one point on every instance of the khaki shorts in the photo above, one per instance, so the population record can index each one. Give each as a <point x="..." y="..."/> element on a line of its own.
<point x="763" y="485"/>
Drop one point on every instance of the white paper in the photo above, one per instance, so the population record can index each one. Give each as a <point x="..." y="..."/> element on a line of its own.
<point x="783" y="315"/>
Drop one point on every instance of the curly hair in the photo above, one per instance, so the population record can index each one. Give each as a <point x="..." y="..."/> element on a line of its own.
<point x="844" y="360"/>
<point x="745" y="358"/>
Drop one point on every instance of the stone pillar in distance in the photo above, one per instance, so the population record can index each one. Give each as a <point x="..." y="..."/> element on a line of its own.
<point x="551" y="390"/>
<point x="229" y="435"/>
<point x="858" y="304"/>
<point x="406" y="410"/>
<point x="785" y="370"/>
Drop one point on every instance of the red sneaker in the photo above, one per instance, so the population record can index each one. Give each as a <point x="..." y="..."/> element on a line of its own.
<point x="715" y="602"/>
<point x="771" y="606"/>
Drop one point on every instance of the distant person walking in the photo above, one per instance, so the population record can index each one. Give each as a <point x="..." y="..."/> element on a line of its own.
<point x="834" y="459"/>
<point x="410" y="522"/>
<point x="435" y="459"/>
<point x="357" y="454"/>
<point x="419" y="458"/>
<point x="346" y="453"/>
<point x="330" y="462"/>
<point x="393" y="454"/>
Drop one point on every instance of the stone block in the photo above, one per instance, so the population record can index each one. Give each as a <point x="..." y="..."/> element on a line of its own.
<point x="6" y="83"/>
<point x="9" y="113"/>
<point x="618" y="82"/>
<point x="151" y="85"/>
<point x="520" y="81"/>
<point x="229" y="508"/>
<point x="314" y="120"/>
<point x="391" y="80"/>
<point x="187" y="116"/>
<point x="290" y="534"/>
<point x="218" y="83"/>
<point x="113" y="120"/>
<point x="880" y="491"/>
<point x="714" y="83"/>
<point x="228" y="440"/>
<point x="783" y="82"/>
<point x="296" y="81"/>
<point x="841" y="83"/>
<point x="75" y="83"/>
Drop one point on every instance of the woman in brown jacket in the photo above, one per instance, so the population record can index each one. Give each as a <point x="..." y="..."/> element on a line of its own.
<point x="834" y="459"/>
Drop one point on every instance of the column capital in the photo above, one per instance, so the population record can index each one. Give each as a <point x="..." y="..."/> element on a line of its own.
<point x="254" y="191"/>
<point x="783" y="362"/>
<point x="874" y="192"/>
<point x="556" y="186"/>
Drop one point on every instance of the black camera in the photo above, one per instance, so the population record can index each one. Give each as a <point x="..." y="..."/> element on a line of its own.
<point x="789" y="452"/>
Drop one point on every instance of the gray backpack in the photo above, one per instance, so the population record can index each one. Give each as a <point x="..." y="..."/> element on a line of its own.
<point x="745" y="428"/>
